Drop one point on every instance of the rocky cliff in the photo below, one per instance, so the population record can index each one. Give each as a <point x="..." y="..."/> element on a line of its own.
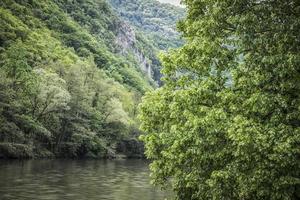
<point x="127" y="41"/>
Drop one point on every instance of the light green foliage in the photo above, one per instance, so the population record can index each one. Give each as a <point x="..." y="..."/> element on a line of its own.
<point x="15" y="65"/>
<point x="91" y="32"/>
<point x="11" y="27"/>
<point x="58" y="94"/>
<point x="51" y="94"/>
<point x="226" y="123"/>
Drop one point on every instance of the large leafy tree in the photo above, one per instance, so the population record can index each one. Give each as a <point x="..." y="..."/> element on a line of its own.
<point x="226" y="124"/>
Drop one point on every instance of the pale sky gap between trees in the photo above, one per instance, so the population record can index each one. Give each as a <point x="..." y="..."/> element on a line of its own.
<point x="174" y="2"/>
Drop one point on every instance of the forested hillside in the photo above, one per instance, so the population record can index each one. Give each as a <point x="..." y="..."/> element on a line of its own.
<point x="82" y="79"/>
<point x="72" y="74"/>
<point x="155" y="20"/>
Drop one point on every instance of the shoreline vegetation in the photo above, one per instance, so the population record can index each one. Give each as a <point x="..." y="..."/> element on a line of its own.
<point x="73" y="73"/>
<point x="125" y="149"/>
<point x="214" y="105"/>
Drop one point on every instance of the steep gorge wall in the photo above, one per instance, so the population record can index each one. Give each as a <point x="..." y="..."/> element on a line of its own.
<point x="126" y="40"/>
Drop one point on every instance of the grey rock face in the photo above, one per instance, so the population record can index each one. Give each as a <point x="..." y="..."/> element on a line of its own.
<point x="126" y="40"/>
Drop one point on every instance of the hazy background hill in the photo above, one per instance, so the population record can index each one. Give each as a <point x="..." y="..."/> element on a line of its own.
<point x="156" y="21"/>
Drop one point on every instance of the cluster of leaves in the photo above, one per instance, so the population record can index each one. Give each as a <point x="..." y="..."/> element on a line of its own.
<point x="226" y="125"/>
<point x="155" y="20"/>
<point x="64" y="91"/>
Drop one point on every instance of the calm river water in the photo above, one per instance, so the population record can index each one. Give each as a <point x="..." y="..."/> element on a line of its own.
<point x="76" y="180"/>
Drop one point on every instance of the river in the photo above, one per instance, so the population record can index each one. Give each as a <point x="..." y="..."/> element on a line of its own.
<point x="76" y="180"/>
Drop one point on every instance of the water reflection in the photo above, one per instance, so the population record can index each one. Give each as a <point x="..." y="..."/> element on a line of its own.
<point x="68" y="179"/>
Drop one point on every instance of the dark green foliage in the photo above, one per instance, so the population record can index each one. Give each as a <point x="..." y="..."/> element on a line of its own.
<point x="65" y="90"/>
<point x="11" y="28"/>
<point x="154" y="24"/>
<point x="11" y="150"/>
<point x="226" y="123"/>
<point x="155" y="20"/>
<point x="132" y="148"/>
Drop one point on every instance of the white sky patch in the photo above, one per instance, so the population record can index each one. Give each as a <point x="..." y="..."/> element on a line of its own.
<point x="174" y="2"/>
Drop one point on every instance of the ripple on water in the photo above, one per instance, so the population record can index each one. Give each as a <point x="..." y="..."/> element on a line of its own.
<point x="69" y="180"/>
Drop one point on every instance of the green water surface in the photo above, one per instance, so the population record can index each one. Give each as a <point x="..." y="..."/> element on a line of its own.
<point x="77" y="179"/>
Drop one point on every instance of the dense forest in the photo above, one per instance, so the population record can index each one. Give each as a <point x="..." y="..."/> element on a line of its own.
<point x="218" y="112"/>
<point x="72" y="75"/>
<point x="155" y="21"/>
<point x="226" y="123"/>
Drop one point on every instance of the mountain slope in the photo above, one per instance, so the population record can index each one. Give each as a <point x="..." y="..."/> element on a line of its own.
<point x="157" y="21"/>
<point x="72" y="74"/>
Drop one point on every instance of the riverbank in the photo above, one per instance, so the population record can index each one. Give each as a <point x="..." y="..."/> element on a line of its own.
<point x="126" y="148"/>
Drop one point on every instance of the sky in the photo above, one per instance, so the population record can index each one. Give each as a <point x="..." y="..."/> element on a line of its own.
<point x="174" y="2"/>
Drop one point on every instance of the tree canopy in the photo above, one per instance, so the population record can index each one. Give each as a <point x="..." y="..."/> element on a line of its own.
<point x="226" y="124"/>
